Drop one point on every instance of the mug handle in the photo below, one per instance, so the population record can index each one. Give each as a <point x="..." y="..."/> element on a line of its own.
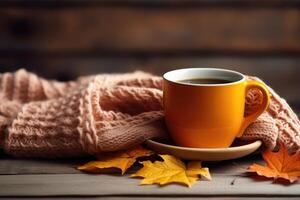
<point x="266" y="99"/>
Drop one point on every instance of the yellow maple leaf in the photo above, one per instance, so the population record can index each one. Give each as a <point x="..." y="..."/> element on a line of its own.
<point x="171" y="170"/>
<point x="121" y="160"/>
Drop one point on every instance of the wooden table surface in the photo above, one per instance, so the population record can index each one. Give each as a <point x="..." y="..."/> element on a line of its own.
<point x="58" y="179"/>
<point x="67" y="38"/>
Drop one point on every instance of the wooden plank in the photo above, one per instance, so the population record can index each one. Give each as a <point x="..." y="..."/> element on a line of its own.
<point x="112" y="185"/>
<point x="9" y="165"/>
<point x="12" y="166"/>
<point x="281" y="73"/>
<point x="181" y="3"/>
<point x="132" y="29"/>
<point x="158" y="197"/>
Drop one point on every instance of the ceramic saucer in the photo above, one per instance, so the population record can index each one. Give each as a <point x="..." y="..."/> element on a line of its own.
<point x="204" y="154"/>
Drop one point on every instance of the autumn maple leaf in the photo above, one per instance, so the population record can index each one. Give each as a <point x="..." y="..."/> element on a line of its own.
<point x="121" y="160"/>
<point x="171" y="170"/>
<point x="279" y="165"/>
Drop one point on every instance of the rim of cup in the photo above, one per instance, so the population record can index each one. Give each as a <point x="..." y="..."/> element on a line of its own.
<point x="177" y="75"/>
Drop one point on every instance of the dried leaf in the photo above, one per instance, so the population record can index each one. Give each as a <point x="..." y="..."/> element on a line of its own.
<point x="279" y="165"/>
<point x="121" y="160"/>
<point x="171" y="170"/>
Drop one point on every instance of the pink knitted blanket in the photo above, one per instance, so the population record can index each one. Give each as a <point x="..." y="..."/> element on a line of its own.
<point x="44" y="118"/>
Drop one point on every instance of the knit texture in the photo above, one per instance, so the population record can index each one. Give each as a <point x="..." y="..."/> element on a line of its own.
<point x="108" y="112"/>
<point x="278" y="124"/>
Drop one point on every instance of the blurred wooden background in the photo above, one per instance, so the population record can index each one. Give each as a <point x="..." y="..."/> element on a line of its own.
<point x="66" y="38"/>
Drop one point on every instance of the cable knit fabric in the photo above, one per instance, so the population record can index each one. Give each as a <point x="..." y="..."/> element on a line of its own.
<point x="107" y="112"/>
<point x="278" y="124"/>
<point x="88" y="116"/>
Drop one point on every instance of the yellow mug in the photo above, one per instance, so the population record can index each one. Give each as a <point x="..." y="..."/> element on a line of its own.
<point x="205" y="115"/>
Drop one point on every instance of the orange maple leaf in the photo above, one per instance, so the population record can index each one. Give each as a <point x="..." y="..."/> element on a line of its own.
<point x="279" y="165"/>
